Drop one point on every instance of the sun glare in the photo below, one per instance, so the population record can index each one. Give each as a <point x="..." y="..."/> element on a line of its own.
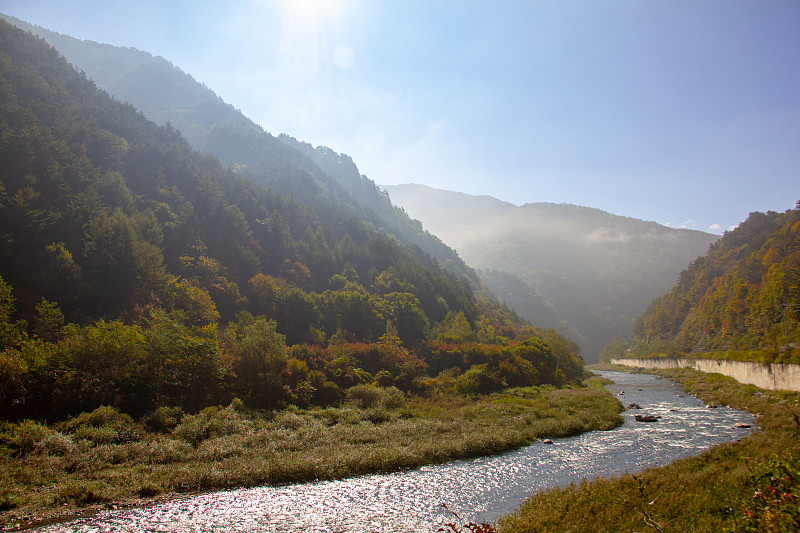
<point x="314" y="12"/>
<point x="308" y="36"/>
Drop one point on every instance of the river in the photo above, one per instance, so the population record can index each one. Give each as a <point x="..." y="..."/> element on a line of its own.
<point x="478" y="490"/>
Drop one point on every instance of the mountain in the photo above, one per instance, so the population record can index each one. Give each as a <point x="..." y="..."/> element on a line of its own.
<point x="106" y="213"/>
<point x="596" y="269"/>
<point x="744" y="294"/>
<point x="167" y="95"/>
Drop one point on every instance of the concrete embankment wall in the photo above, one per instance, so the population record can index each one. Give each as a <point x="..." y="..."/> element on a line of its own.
<point x="772" y="376"/>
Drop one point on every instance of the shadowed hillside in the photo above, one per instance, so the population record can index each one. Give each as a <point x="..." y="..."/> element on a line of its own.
<point x="166" y="94"/>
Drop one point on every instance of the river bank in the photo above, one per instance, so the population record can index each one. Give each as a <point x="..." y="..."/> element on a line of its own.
<point x="722" y="489"/>
<point x="224" y="448"/>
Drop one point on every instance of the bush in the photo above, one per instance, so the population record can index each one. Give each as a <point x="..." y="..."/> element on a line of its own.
<point x="56" y="443"/>
<point x="370" y="397"/>
<point x="81" y="493"/>
<point x="31" y="437"/>
<point x="393" y="398"/>
<point x="477" y="380"/>
<point x="775" y="504"/>
<point x="327" y="394"/>
<point x="163" y="419"/>
<point x="104" y="425"/>
<point x="212" y="422"/>
<point x="384" y="378"/>
<point x="364" y="396"/>
<point x="167" y="450"/>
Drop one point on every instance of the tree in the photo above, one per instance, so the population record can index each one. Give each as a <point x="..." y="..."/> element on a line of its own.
<point x="49" y="321"/>
<point x="260" y="360"/>
<point x="404" y="310"/>
<point x="100" y="364"/>
<point x="192" y="304"/>
<point x="10" y="332"/>
<point x="182" y="363"/>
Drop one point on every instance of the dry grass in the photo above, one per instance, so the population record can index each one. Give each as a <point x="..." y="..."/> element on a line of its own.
<point x="72" y="466"/>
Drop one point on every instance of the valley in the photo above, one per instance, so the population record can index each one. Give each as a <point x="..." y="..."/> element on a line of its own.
<point x="191" y="304"/>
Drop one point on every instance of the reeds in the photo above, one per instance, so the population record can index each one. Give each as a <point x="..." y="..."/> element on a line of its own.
<point x="104" y="457"/>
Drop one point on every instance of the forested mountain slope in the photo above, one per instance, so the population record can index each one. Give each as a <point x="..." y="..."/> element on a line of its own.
<point x="744" y="294"/>
<point x="165" y="94"/>
<point x="598" y="270"/>
<point x="138" y="273"/>
<point x="93" y="192"/>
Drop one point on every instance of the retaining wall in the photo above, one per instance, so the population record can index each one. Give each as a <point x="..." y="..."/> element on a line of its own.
<point x="772" y="376"/>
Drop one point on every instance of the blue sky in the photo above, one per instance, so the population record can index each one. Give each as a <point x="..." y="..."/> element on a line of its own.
<point x="682" y="112"/>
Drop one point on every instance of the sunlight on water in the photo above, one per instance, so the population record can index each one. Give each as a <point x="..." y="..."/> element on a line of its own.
<point x="481" y="489"/>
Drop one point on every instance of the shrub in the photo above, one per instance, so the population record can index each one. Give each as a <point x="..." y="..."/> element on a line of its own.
<point x="328" y="393"/>
<point x="148" y="490"/>
<point x="164" y="419"/>
<point x="364" y="396"/>
<point x="104" y="425"/>
<point x="212" y="422"/>
<point x="775" y="504"/>
<point x="31" y="437"/>
<point x="167" y="450"/>
<point x="81" y="493"/>
<point x="477" y="380"/>
<point x="372" y="397"/>
<point x="384" y="378"/>
<point x="393" y="398"/>
<point x="56" y="443"/>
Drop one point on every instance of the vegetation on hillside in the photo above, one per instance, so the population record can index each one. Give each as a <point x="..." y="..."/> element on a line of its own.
<point x="143" y="286"/>
<point x="742" y="300"/>
<point x="320" y="176"/>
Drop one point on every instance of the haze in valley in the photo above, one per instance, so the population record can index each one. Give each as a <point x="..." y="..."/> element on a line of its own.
<point x="684" y="113"/>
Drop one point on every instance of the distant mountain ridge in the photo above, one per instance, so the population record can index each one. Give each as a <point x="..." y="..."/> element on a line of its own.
<point x="598" y="270"/>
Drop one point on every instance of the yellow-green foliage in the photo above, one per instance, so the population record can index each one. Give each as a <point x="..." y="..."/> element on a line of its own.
<point x="744" y="294"/>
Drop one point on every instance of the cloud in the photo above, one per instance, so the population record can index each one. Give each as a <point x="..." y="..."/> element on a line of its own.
<point x="606" y="235"/>
<point x="689" y="224"/>
<point x="714" y="227"/>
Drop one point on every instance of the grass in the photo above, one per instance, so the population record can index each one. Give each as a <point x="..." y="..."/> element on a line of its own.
<point x="723" y="489"/>
<point x="104" y="458"/>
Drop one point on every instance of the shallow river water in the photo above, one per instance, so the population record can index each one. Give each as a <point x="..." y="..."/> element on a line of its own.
<point x="478" y="489"/>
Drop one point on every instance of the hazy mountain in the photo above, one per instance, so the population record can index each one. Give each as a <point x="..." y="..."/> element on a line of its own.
<point x="528" y="303"/>
<point x="598" y="270"/>
<point x="166" y="94"/>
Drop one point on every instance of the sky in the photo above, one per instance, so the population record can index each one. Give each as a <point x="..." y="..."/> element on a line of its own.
<point x="683" y="112"/>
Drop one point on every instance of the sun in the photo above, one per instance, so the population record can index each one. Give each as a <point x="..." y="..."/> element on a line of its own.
<point x="313" y="12"/>
<point x="308" y="35"/>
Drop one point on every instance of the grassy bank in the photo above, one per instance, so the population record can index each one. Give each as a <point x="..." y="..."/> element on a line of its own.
<point x="751" y="485"/>
<point x="104" y="458"/>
